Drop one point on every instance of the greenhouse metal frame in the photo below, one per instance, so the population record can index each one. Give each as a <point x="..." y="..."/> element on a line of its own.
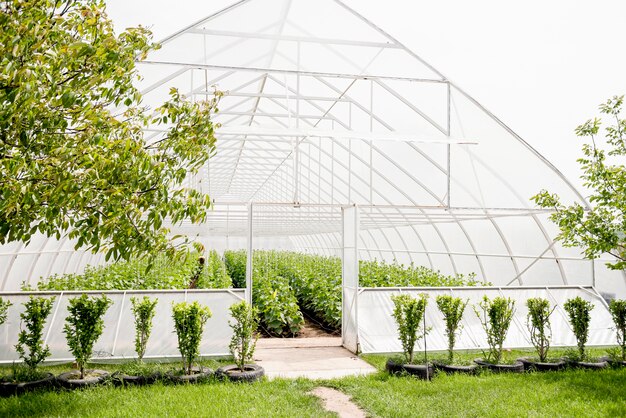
<point x="330" y="126"/>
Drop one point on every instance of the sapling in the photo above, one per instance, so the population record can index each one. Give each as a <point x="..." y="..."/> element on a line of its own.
<point x="143" y="310"/>
<point x="243" y="341"/>
<point x="30" y="345"/>
<point x="579" y="310"/>
<point x="538" y="322"/>
<point x="408" y="313"/>
<point x="452" y="309"/>
<point x="189" y="321"/>
<point x="84" y="325"/>
<point x="618" y="312"/>
<point x="495" y="315"/>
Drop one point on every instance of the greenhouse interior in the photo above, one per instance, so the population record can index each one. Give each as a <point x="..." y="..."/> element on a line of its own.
<point x="347" y="170"/>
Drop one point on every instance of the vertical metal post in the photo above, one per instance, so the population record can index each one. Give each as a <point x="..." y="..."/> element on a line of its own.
<point x="249" y="254"/>
<point x="449" y="150"/>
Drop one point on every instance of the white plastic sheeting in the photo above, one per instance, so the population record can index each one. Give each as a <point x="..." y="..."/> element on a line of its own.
<point x="117" y="340"/>
<point x="378" y="332"/>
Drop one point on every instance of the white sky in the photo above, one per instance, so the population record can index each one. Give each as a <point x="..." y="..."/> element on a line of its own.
<point x="541" y="66"/>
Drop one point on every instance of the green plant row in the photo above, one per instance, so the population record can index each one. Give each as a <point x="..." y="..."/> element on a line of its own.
<point x="160" y="272"/>
<point x="85" y="324"/>
<point x="315" y="281"/>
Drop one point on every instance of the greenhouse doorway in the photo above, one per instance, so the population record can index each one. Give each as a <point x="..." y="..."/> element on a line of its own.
<point x="294" y="267"/>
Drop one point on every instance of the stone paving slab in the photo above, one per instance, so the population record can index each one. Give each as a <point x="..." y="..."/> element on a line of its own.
<point x="297" y="357"/>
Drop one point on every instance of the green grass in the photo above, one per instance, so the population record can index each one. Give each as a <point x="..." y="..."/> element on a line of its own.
<point x="568" y="393"/>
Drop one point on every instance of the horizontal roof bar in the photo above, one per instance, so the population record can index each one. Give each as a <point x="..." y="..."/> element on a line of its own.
<point x="291" y="38"/>
<point x="294" y="72"/>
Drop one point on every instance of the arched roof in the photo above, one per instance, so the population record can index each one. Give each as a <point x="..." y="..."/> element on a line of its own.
<point x="323" y="109"/>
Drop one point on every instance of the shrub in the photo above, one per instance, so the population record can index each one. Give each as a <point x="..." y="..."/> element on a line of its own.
<point x="495" y="316"/>
<point x="4" y="309"/>
<point x="243" y="341"/>
<point x="84" y="325"/>
<point x="538" y="322"/>
<point x="143" y="311"/>
<point x="30" y="344"/>
<point x="579" y="310"/>
<point x="618" y="312"/>
<point x="452" y="309"/>
<point x="189" y="321"/>
<point x="408" y="313"/>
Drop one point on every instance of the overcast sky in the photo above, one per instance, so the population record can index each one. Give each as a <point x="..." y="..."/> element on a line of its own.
<point x="540" y="66"/>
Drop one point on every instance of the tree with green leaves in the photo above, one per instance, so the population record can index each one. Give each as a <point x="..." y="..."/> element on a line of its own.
<point x="495" y="316"/>
<point x="143" y="311"/>
<point x="30" y="346"/>
<point x="452" y="309"/>
<point x="73" y="155"/>
<point x="579" y="312"/>
<point x="617" y="308"/>
<point x="84" y="325"/>
<point x="189" y="321"/>
<point x="243" y="342"/>
<point x="408" y="313"/>
<point x="538" y="323"/>
<point x="602" y="228"/>
<point x="4" y="310"/>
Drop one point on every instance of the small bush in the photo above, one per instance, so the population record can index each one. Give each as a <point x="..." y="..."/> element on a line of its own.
<point x="189" y="321"/>
<point x="144" y="311"/>
<point x="538" y="322"/>
<point x="452" y="309"/>
<point x="618" y="312"/>
<point x="4" y="309"/>
<point x="84" y="325"/>
<point x="408" y="313"/>
<point x="243" y="341"/>
<point x="495" y="316"/>
<point x="579" y="310"/>
<point x="30" y="346"/>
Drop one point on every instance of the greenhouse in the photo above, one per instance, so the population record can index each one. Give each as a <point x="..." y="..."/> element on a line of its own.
<point x="347" y="170"/>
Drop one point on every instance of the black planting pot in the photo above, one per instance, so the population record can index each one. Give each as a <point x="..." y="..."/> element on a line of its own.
<point x="72" y="380"/>
<point x="532" y="365"/>
<point x="198" y="374"/>
<point x="131" y="380"/>
<point x="17" y="388"/>
<point x="451" y="368"/>
<point x="589" y="365"/>
<point x="251" y="373"/>
<point x="421" y="371"/>
<point x="613" y="362"/>
<point x="517" y="367"/>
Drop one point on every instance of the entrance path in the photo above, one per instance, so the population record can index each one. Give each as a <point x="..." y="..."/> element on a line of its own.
<point x="313" y="358"/>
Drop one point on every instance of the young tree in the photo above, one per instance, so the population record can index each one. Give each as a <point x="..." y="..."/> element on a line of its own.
<point x="73" y="156"/>
<point x="143" y="311"/>
<point x="408" y="313"/>
<point x="601" y="229"/>
<point x="244" y="326"/>
<point x="189" y="321"/>
<point x="495" y="316"/>
<point x="30" y="345"/>
<point x="452" y="309"/>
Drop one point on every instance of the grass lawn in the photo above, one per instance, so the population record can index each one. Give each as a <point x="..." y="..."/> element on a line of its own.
<point x="568" y="393"/>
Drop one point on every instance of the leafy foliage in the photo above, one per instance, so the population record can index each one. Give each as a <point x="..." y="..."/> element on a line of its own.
<point x="408" y="313"/>
<point x="161" y="272"/>
<point x="495" y="316"/>
<point x="236" y="266"/>
<point x="84" y="325"/>
<point x="452" y="309"/>
<point x="601" y="229"/>
<point x="189" y="321"/>
<point x="579" y="310"/>
<point x="30" y="345"/>
<point x="618" y="313"/>
<point x="73" y="155"/>
<point x="243" y="341"/>
<point x="286" y="282"/>
<point x="4" y="309"/>
<point x="143" y="310"/>
<point x="538" y="323"/>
